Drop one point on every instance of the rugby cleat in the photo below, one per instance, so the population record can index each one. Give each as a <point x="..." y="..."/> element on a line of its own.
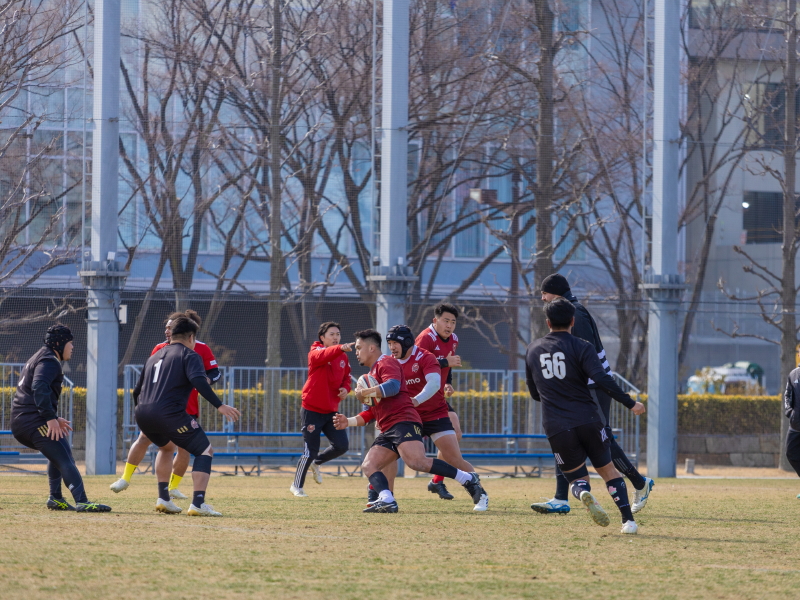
<point x="205" y="510"/>
<point x="316" y="472"/>
<point x="554" y="506"/>
<point x="596" y="511"/>
<point x="441" y="489"/>
<point x="379" y="506"/>
<point x="167" y="507"/>
<point x="372" y="496"/>
<point x="120" y="485"/>
<point x="641" y="496"/>
<point x="58" y="504"/>
<point x="176" y="494"/>
<point x="297" y="491"/>
<point x="482" y="504"/>
<point x="630" y="528"/>
<point x="475" y="489"/>
<point x="92" y="507"/>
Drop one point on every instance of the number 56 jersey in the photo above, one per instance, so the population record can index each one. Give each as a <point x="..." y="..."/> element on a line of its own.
<point x="557" y="369"/>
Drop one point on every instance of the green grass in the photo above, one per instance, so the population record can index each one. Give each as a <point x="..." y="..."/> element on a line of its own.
<point x="698" y="539"/>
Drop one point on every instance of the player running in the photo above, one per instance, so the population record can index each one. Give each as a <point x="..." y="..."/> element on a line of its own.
<point x="556" y="286"/>
<point x="161" y="396"/>
<point x="399" y="423"/>
<point x="440" y="340"/>
<point x="36" y="424"/>
<point x="327" y="385"/>
<point x="138" y="449"/>
<point x="557" y="368"/>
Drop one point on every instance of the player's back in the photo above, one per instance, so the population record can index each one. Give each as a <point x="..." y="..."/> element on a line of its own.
<point x="559" y="366"/>
<point x="167" y="378"/>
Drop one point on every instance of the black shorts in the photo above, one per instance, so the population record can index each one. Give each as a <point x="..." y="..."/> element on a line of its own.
<point x="180" y="428"/>
<point x="434" y="429"/>
<point x="573" y="446"/>
<point x="405" y="431"/>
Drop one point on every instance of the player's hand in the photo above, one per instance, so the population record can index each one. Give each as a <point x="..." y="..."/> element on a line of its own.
<point x="65" y="425"/>
<point x="231" y="413"/>
<point x="342" y="393"/>
<point x="448" y="390"/>
<point x="54" y="430"/>
<point x="347" y="347"/>
<point x="339" y="421"/>
<point x="638" y="409"/>
<point x="453" y="361"/>
<point x="360" y="395"/>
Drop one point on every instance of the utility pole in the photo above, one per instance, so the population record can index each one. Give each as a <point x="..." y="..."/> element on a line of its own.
<point x="663" y="284"/>
<point x="100" y="272"/>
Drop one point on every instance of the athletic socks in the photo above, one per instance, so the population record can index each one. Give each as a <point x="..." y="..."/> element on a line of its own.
<point x="174" y="481"/>
<point x="128" y="473"/>
<point x="198" y="498"/>
<point x="625" y="467"/>
<point x="437" y="479"/>
<point x="386" y="496"/>
<point x="619" y="492"/>
<point x="163" y="491"/>
<point x="580" y="485"/>
<point x="562" y="486"/>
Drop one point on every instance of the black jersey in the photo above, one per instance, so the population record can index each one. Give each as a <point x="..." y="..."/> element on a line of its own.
<point x="557" y="369"/>
<point x="586" y="329"/>
<point x="166" y="380"/>
<point x="39" y="388"/>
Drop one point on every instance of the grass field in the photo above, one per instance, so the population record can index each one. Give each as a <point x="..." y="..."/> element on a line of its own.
<point x="698" y="539"/>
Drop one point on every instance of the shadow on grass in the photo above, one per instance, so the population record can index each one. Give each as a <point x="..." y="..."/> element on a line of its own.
<point x="700" y="519"/>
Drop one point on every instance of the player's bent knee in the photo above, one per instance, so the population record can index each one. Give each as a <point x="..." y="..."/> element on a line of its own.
<point x="202" y="464"/>
<point x="579" y="473"/>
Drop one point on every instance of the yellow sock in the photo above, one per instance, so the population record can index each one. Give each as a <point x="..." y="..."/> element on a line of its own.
<point x="129" y="469"/>
<point x="174" y="482"/>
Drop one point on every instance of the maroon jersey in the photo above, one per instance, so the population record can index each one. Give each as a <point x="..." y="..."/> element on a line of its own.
<point x="429" y="340"/>
<point x="420" y="363"/>
<point x="394" y="409"/>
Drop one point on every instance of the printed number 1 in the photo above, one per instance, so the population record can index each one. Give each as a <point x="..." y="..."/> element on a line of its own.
<point x="157" y="367"/>
<point x="554" y="367"/>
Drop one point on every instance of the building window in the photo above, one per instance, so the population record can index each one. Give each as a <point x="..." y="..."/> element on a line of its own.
<point x="763" y="217"/>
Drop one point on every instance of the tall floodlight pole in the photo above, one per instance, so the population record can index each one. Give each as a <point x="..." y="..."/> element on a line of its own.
<point x="100" y="272"/>
<point x="663" y="284"/>
<point x="390" y="277"/>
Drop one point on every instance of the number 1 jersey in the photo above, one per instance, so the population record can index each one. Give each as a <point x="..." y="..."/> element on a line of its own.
<point x="166" y="379"/>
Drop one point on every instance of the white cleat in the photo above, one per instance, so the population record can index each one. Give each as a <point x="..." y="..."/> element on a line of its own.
<point x="177" y="494"/>
<point x="169" y="508"/>
<point x="630" y="527"/>
<point x="298" y="491"/>
<point x="120" y="485"/>
<point x="599" y="516"/>
<point x="641" y="496"/>
<point x="316" y="472"/>
<point x="205" y="510"/>
<point x="483" y="504"/>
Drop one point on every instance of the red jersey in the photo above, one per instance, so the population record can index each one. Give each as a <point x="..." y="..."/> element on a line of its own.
<point x="328" y="370"/>
<point x="431" y="341"/>
<point x="395" y="409"/>
<point x="416" y="367"/>
<point x="209" y="364"/>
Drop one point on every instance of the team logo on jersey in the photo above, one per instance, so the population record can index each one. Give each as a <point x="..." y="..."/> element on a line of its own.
<point x="437" y="347"/>
<point x="341" y="364"/>
<point x="195" y="425"/>
<point x="310" y="428"/>
<point x="415" y="368"/>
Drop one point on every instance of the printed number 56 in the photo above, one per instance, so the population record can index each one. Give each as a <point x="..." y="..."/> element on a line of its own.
<point x="553" y="367"/>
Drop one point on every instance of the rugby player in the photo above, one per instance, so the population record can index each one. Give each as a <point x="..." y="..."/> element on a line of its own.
<point x="440" y="340"/>
<point x="792" y="412"/>
<point x="138" y="449"/>
<point x="161" y="395"/>
<point x="557" y="369"/>
<point x="35" y="422"/>
<point x="556" y="286"/>
<point x="327" y="385"/>
<point x="400" y="426"/>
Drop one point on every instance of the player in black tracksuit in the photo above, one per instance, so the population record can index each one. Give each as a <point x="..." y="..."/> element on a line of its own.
<point x="791" y="408"/>
<point x="35" y="422"/>
<point x="161" y="394"/>
<point x="557" y="368"/>
<point x="586" y="329"/>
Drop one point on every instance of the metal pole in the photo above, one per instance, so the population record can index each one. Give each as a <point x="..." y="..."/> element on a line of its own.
<point x="102" y="275"/>
<point x="663" y="284"/>
<point x="390" y="276"/>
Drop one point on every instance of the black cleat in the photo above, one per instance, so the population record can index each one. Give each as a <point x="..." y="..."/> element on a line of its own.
<point x="92" y="507"/>
<point x="474" y="488"/>
<point x="439" y="488"/>
<point x="372" y="496"/>
<point x="380" y="506"/>
<point x="58" y="504"/>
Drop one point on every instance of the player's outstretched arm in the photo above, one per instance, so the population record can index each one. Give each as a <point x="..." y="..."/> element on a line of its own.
<point x="342" y="422"/>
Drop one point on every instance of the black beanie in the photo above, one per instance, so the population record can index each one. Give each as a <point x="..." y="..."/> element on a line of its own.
<point x="57" y="337"/>
<point x="555" y="284"/>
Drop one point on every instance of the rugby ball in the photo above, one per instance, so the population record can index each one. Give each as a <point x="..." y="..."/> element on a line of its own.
<point x="368" y="381"/>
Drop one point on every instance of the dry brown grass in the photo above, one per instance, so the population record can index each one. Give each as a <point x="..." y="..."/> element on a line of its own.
<point x="699" y="539"/>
